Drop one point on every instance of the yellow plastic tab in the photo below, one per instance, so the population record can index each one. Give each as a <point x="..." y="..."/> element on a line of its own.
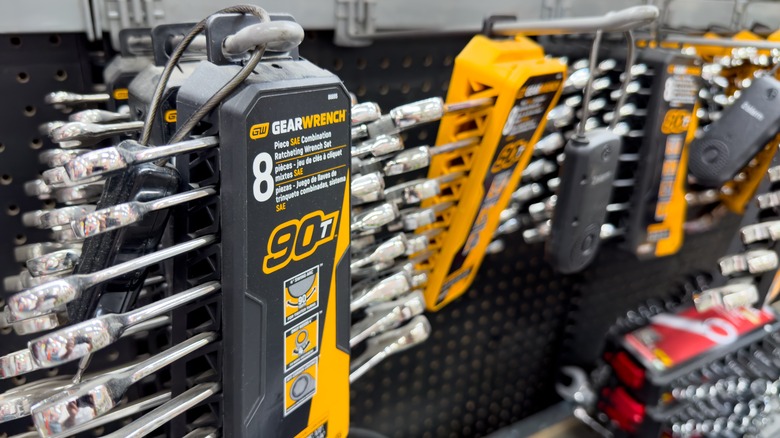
<point x="672" y="216"/>
<point x="121" y="94"/>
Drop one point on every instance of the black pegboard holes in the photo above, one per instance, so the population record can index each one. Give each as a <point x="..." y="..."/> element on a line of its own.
<point x="36" y="143"/>
<point x="30" y="111"/>
<point x="29" y="64"/>
<point x="482" y="352"/>
<point x="361" y="63"/>
<point x="12" y="210"/>
<point x="60" y="75"/>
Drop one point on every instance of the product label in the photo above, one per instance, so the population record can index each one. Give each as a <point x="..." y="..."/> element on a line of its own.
<point x="659" y="214"/>
<point x="300" y="387"/>
<point x="297" y="167"/>
<point x="301" y="342"/>
<point x="673" y="339"/>
<point x="301" y="294"/>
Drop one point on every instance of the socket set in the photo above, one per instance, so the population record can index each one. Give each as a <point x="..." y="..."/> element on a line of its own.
<point x="691" y="373"/>
<point x="671" y="369"/>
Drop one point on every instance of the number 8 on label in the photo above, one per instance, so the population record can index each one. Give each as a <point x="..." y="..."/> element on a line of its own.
<point x="263" y="159"/>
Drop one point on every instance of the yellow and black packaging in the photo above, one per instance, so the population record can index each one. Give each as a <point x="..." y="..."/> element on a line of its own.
<point x="658" y="206"/>
<point x="285" y="207"/>
<point x="525" y="86"/>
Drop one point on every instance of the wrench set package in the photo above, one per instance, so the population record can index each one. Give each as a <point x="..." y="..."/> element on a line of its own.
<point x="284" y="203"/>
<point x="525" y="85"/>
<point x="237" y="236"/>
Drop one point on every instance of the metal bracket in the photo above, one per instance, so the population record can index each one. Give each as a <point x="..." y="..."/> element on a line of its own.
<point x="552" y="9"/>
<point x="355" y="20"/>
<point x="126" y="14"/>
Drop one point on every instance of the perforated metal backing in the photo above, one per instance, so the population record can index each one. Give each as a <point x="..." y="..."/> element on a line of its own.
<point x="31" y="67"/>
<point x="493" y="356"/>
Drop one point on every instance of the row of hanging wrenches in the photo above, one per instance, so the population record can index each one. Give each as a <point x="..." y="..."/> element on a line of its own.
<point x="508" y="132"/>
<point x="653" y="204"/>
<point x="740" y="73"/>
<point x="387" y="299"/>
<point x="106" y="275"/>
<point x="485" y="134"/>
<point x="647" y="202"/>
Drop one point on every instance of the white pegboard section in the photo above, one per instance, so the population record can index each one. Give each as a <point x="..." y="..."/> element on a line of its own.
<point x="46" y="16"/>
<point x="357" y="22"/>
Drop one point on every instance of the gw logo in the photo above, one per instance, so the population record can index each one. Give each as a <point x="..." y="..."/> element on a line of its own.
<point x="298" y="239"/>
<point x="258" y="131"/>
<point x="170" y="116"/>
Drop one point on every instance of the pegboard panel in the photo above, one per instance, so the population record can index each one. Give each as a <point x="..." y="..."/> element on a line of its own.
<point x="493" y="355"/>
<point x="32" y="66"/>
<point x="490" y="360"/>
